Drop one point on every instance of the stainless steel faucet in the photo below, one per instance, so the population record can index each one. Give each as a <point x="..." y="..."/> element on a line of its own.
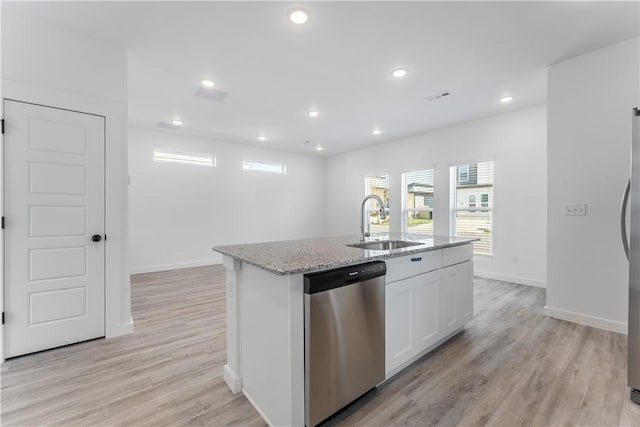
<point x="383" y="215"/>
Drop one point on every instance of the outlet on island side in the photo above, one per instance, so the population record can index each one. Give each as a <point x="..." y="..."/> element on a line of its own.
<point x="575" y="210"/>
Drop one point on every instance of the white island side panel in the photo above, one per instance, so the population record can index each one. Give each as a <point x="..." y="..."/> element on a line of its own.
<point x="272" y="340"/>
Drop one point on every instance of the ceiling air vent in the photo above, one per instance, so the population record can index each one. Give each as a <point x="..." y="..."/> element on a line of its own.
<point x="437" y="96"/>
<point x="167" y="125"/>
<point x="211" y="94"/>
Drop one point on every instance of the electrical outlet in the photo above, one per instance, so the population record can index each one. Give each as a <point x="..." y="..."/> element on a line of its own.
<point x="575" y="210"/>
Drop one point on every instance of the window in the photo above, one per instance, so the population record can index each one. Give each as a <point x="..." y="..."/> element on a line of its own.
<point x="175" y="156"/>
<point x="467" y="218"/>
<point x="472" y="200"/>
<point x="463" y="173"/>
<point x="418" y="202"/>
<point x="484" y="200"/>
<point x="378" y="185"/>
<point x="280" y="168"/>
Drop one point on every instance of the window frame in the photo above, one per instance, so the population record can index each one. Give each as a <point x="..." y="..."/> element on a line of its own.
<point x="367" y="187"/>
<point x="454" y="208"/>
<point x="405" y="211"/>
<point x="483" y="203"/>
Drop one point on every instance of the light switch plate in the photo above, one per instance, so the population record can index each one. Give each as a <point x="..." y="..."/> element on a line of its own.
<point x="575" y="210"/>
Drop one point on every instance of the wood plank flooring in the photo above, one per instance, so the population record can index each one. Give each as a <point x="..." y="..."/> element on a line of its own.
<point x="511" y="366"/>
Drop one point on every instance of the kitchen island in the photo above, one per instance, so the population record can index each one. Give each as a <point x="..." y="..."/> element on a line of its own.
<point x="428" y="292"/>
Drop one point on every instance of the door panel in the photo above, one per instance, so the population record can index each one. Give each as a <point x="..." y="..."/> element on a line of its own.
<point x="449" y="307"/>
<point x="399" y="334"/>
<point x="427" y="310"/>
<point x="465" y="292"/>
<point x="57" y="137"/>
<point x="457" y="296"/>
<point x="51" y="178"/>
<point x="55" y="263"/>
<point x="54" y="202"/>
<point x="57" y="221"/>
<point x="58" y="305"/>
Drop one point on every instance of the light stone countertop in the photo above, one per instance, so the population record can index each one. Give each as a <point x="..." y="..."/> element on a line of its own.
<point x="302" y="256"/>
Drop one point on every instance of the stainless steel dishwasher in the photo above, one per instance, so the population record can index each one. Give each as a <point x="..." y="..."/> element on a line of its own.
<point x="344" y="337"/>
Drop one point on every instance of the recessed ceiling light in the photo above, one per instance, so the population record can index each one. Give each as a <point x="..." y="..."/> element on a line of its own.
<point x="399" y="72"/>
<point x="207" y="83"/>
<point x="313" y="113"/>
<point x="262" y="138"/>
<point x="299" y="16"/>
<point x="505" y="99"/>
<point x="377" y="131"/>
<point x="318" y="148"/>
<point x="176" y="122"/>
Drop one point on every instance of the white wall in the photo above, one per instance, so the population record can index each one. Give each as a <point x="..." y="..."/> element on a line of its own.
<point x="179" y="211"/>
<point x="515" y="141"/>
<point x="49" y="65"/>
<point x="590" y="101"/>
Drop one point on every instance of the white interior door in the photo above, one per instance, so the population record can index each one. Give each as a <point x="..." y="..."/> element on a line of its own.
<point x="54" y="204"/>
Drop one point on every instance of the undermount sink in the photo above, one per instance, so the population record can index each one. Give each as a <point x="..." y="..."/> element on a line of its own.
<point x="384" y="245"/>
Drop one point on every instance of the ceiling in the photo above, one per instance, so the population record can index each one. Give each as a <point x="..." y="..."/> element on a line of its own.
<point x="340" y="62"/>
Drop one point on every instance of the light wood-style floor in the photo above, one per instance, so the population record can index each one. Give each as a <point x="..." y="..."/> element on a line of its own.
<point x="511" y="366"/>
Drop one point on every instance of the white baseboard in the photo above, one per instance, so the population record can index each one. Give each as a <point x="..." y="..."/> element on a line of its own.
<point x="167" y="267"/>
<point x="511" y="279"/>
<point x="233" y="381"/>
<point x="257" y="408"/>
<point x="584" y="319"/>
<point x="121" y="329"/>
<point x="393" y="372"/>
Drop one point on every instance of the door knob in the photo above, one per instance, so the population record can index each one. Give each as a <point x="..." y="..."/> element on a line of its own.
<point x="96" y="237"/>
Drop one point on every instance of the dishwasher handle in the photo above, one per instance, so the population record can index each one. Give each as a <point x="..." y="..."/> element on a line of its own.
<point x="331" y="279"/>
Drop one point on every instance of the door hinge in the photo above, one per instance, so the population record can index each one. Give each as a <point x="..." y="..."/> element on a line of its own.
<point x="105" y="237"/>
<point x="3" y="223"/>
<point x="635" y="110"/>
<point x="3" y="126"/>
<point x="3" y="317"/>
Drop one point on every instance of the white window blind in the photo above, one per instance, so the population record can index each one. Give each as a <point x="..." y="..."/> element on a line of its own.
<point x="378" y="185"/>
<point x="472" y="204"/>
<point x="418" y="202"/>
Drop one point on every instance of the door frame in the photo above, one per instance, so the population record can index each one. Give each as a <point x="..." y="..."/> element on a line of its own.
<point x="118" y="319"/>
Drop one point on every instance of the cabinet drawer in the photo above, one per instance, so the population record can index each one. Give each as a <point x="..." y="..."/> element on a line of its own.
<point x="457" y="254"/>
<point x="411" y="265"/>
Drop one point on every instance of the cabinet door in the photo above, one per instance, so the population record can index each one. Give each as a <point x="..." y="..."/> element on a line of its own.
<point x="464" y="299"/>
<point x="427" y="312"/>
<point x="457" y="296"/>
<point x="399" y="324"/>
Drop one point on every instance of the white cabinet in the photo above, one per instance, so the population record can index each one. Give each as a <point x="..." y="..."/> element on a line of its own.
<point x="457" y="296"/>
<point x="413" y="318"/>
<point x="425" y="303"/>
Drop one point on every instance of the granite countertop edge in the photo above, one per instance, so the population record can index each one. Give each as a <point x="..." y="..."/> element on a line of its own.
<point x="356" y="255"/>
